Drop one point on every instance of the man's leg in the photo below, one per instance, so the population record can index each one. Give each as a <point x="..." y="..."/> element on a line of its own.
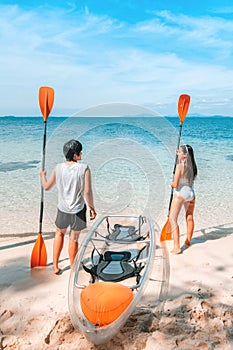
<point x="57" y="248"/>
<point x="73" y="245"/>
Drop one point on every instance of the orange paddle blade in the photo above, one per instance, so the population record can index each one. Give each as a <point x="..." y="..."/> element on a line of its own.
<point x="166" y="234"/>
<point x="46" y="99"/>
<point x="183" y="106"/>
<point x="39" y="254"/>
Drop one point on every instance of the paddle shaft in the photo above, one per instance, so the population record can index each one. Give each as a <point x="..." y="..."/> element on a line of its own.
<point x="39" y="253"/>
<point x="42" y="189"/>
<point x="43" y="159"/>
<point x="174" y="170"/>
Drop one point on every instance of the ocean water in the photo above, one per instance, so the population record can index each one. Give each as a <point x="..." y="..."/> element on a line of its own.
<point x="131" y="160"/>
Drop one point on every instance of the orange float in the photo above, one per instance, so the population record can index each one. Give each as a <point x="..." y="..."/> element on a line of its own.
<point x="103" y="302"/>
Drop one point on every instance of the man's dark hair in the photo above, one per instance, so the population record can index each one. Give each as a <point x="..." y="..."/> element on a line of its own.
<point x="71" y="148"/>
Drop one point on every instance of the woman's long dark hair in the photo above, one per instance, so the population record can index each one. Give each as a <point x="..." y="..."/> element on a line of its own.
<point x="191" y="168"/>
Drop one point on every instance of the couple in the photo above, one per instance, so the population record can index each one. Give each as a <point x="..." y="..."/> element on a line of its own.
<point x="73" y="181"/>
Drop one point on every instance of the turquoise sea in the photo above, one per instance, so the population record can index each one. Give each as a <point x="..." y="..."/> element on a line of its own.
<point x="131" y="160"/>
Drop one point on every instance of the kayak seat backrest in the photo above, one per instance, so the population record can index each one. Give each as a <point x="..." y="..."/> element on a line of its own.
<point x="115" y="267"/>
<point x="121" y="232"/>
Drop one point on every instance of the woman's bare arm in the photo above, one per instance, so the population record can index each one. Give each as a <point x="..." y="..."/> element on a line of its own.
<point x="175" y="182"/>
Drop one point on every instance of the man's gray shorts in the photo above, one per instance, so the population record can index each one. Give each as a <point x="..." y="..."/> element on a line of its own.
<point x="77" y="222"/>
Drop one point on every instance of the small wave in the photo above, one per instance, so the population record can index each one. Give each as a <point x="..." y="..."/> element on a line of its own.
<point x="229" y="157"/>
<point x="12" y="166"/>
<point x="24" y="234"/>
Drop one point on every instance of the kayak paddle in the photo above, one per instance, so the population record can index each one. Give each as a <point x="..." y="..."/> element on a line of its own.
<point x="39" y="254"/>
<point x="183" y="106"/>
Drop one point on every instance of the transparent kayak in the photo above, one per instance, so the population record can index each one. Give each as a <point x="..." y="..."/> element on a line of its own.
<point x="118" y="267"/>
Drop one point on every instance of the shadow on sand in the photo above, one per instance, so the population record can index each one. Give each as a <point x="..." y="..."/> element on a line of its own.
<point x="211" y="233"/>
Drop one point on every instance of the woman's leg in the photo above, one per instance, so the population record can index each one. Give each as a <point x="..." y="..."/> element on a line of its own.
<point x="57" y="248"/>
<point x="73" y="245"/>
<point x="173" y="217"/>
<point x="189" y="209"/>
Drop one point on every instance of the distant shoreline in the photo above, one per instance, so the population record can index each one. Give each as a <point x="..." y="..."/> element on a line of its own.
<point x="104" y="116"/>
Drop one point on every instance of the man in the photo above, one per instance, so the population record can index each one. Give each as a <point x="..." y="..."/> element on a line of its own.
<point x="73" y="181"/>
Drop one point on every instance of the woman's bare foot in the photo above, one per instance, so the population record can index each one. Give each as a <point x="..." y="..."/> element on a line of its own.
<point x="187" y="243"/>
<point x="56" y="271"/>
<point x="176" y="251"/>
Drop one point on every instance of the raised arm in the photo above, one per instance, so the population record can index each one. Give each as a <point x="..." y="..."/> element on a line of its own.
<point x="175" y="182"/>
<point x="47" y="184"/>
<point x="88" y="193"/>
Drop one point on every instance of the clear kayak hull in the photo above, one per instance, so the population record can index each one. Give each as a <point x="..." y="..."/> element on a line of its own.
<point x="111" y="272"/>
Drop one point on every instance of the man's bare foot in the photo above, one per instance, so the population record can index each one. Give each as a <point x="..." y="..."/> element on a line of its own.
<point x="56" y="271"/>
<point x="187" y="243"/>
<point x="176" y="251"/>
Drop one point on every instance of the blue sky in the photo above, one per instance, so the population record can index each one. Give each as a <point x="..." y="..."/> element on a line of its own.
<point x="142" y="52"/>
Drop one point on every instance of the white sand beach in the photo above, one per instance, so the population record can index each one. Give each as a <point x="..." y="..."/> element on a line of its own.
<point x="197" y="314"/>
<point x="117" y="72"/>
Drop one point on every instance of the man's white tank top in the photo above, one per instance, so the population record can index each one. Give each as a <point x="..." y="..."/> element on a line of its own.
<point x="70" y="186"/>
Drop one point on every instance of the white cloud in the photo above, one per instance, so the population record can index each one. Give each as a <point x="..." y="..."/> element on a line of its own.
<point x="205" y="33"/>
<point x="91" y="60"/>
<point x="224" y="10"/>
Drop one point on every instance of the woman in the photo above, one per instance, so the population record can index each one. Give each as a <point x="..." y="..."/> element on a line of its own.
<point x="183" y="194"/>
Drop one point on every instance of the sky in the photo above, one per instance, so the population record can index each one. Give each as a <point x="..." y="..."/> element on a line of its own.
<point x="94" y="52"/>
